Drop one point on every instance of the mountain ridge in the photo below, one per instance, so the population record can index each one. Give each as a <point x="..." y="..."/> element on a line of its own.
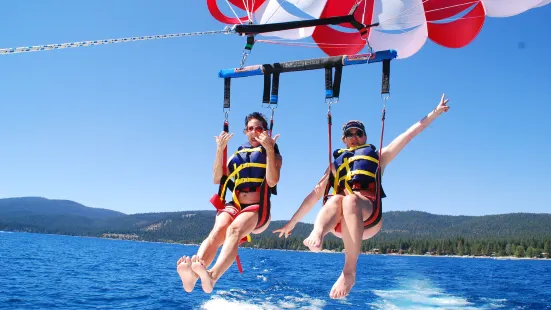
<point x="411" y="232"/>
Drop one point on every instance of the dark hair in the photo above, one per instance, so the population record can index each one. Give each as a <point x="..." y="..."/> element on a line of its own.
<point x="259" y="116"/>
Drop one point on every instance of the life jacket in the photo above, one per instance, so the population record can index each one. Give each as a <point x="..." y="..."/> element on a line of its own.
<point x="248" y="166"/>
<point x="247" y="171"/>
<point x="356" y="166"/>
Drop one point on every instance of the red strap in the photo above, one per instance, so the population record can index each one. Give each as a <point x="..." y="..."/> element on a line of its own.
<point x="238" y="261"/>
<point x="225" y="158"/>
<point x="379" y="173"/>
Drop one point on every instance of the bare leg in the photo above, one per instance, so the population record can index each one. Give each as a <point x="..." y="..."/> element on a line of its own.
<point x="328" y="217"/>
<point x="355" y="209"/>
<point x="207" y="251"/>
<point x="209" y="247"/>
<point x="372" y="231"/>
<point x="241" y="227"/>
<point x="260" y="230"/>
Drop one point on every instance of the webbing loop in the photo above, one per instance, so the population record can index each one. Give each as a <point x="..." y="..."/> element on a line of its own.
<point x="247" y="49"/>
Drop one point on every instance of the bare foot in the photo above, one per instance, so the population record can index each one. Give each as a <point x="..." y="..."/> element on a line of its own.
<point x="314" y="241"/>
<point x="342" y="287"/>
<point x="183" y="266"/>
<point x="207" y="282"/>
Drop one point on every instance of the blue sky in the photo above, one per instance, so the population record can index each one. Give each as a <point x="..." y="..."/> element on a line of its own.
<point x="121" y="127"/>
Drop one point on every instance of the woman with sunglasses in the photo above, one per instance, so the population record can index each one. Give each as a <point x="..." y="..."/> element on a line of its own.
<point x="351" y="213"/>
<point x="253" y="164"/>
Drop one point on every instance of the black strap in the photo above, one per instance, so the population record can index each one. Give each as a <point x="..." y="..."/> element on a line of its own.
<point x="250" y="42"/>
<point x="227" y="92"/>
<point x="267" y="86"/>
<point x="386" y="77"/>
<point x="337" y="81"/>
<point x="333" y="20"/>
<point x="356" y="24"/>
<point x="328" y="82"/>
<point x="275" y="88"/>
<point x="231" y="184"/>
<point x="333" y="85"/>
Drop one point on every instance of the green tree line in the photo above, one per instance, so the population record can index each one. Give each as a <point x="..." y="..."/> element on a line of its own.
<point x="528" y="248"/>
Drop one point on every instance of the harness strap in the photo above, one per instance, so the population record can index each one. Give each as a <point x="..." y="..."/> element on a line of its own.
<point x="332" y="93"/>
<point x="225" y="182"/>
<point x="218" y="200"/>
<point x="227" y="94"/>
<point x="385" y="91"/>
<point x="274" y="97"/>
<point x="270" y="95"/>
<point x="267" y="88"/>
<point x="379" y="200"/>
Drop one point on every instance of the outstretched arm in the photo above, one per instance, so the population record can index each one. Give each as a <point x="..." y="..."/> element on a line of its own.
<point x="310" y="200"/>
<point x="397" y="145"/>
<point x="307" y="204"/>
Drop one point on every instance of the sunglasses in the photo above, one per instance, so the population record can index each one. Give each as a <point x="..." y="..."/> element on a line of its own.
<point x="258" y="129"/>
<point x="358" y="134"/>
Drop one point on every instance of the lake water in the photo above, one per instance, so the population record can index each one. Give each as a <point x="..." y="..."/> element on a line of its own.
<point x="63" y="272"/>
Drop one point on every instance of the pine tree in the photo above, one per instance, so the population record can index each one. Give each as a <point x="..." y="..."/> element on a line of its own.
<point x="519" y="252"/>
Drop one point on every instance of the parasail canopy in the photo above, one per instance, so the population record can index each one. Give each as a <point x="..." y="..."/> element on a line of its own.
<point x="401" y="25"/>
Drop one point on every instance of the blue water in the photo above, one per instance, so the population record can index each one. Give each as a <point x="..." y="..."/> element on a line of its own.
<point x="63" y="272"/>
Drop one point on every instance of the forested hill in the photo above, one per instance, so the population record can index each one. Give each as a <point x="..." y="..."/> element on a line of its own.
<point x="426" y="225"/>
<point x="34" y="214"/>
<point x="36" y="205"/>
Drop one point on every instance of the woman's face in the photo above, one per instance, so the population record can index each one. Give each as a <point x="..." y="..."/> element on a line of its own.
<point x="354" y="137"/>
<point x="254" y="129"/>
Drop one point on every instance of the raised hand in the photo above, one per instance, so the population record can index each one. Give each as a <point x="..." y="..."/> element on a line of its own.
<point x="222" y="139"/>
<point x="285" y="230"/>
<point x="266" y="141"/>
<point x="442" y="106"/>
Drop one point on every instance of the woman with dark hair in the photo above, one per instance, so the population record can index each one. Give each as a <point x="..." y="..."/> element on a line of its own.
<point x="255" y="169"/>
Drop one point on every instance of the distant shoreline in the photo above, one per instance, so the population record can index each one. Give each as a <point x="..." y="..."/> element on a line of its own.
<point x="336" y="252"/>
<point x="323" y="251"/>
<point x="419" y="255"/>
